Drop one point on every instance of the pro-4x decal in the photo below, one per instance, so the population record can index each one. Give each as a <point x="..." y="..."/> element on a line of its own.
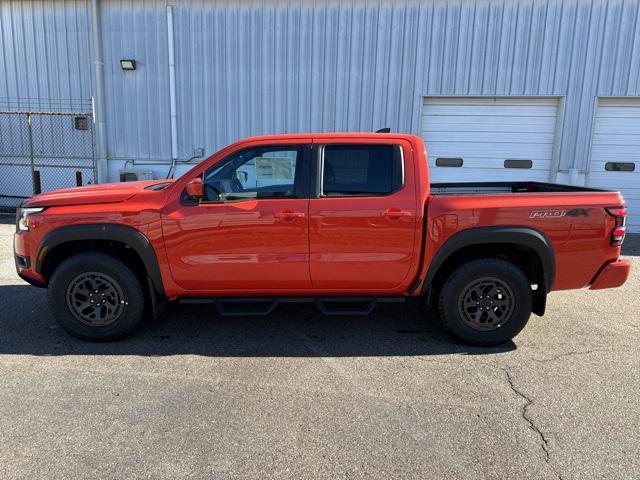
<point x="540" y="214"/>
<point x="575" y="212"/>
<point x="579" y="212"/>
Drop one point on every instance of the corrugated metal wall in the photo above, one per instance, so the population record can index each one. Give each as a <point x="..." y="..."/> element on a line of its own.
<point x="248" y="68"/>
<point x="45" y="61"/>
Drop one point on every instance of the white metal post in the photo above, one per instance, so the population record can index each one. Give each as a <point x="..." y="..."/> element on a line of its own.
<point x="98" y="103"/>
<point x="172" y="89"/>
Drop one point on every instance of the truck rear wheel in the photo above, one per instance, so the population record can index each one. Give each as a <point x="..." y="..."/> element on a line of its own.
<point x="485" y="302"/>
<point x="96" y="297"/>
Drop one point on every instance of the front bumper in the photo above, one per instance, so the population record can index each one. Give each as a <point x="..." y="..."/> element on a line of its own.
<point x="24" y="261"/>
<point x="32" y="281"/>
<point x="613" y="275"/>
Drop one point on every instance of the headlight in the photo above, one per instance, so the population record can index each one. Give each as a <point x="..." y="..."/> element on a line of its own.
<point x="23" y="216"/>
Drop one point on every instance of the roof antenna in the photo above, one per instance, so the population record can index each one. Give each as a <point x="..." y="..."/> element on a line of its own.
<point x="384" y="130"/>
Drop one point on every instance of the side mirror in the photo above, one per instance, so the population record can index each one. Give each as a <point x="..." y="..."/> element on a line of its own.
<point x="195" y="188"/>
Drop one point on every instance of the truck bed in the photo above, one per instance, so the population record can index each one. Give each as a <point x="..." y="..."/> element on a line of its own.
<point x="471" y="188"/>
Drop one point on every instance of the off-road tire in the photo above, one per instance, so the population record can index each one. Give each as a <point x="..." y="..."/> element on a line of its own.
<point x="127" y="311"/>
<point x="510" y="281"/>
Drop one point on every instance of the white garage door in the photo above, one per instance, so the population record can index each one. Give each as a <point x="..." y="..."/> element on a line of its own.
<point x="489" y="139"/>
<point x="615" y="154"/>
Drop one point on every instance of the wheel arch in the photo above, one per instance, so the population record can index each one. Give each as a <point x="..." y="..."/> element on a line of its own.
<point x="128" y="237"/>
<point x="515" y="242"/>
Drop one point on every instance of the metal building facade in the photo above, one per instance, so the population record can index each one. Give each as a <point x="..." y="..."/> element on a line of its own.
<point x="245" y="68"/>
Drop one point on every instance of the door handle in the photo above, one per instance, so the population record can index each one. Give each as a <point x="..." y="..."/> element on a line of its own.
<point x="288" y="215"/>
<point x="395" y="213"/>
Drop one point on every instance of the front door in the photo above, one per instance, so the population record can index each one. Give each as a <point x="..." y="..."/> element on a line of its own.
<point x="250" y="232"/>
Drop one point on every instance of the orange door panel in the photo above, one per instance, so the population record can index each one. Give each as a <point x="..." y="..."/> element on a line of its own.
<point x="250" y="231"/>
<point x="255" y="244"/>
<point x="363" y="243"/>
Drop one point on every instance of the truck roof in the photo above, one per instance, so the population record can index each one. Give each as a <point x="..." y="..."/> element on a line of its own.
<point x="336" y="135"/>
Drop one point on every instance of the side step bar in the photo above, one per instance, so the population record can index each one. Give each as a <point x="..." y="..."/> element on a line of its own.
<point x="260" y="306"/>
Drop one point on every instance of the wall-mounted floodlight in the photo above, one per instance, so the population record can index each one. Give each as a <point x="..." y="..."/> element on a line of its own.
<point x="128" y="64"/>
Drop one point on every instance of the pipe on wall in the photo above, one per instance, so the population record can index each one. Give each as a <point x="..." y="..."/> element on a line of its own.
<point x="98" y="97"/>
<point x="172" y="90"/>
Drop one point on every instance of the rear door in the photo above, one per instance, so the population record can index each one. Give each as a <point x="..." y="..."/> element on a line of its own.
<point x="363" y="218"/>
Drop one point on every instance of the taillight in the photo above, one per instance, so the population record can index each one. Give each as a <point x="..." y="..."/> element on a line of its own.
<point x="619" y="230"/>
<point x="617" y="211"/>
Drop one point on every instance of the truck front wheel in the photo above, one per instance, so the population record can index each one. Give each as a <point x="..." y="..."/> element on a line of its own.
<point x="485" y="302"/>
<point x="96" y="297"/>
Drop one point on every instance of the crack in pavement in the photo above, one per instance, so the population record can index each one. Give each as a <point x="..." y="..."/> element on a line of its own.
<point x="563" y="355"/>
<point x="544" y="443"/>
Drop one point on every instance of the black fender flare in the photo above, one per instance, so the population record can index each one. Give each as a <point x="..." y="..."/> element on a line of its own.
<point x="104" y="231"/>
<point x="521" y="236"/>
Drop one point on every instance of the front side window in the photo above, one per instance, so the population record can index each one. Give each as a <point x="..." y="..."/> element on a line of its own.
<point x="264" y="172"/>
<point x="361" y="170"/>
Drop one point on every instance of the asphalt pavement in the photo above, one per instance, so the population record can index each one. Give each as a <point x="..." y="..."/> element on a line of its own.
<point x="298" y="395"/>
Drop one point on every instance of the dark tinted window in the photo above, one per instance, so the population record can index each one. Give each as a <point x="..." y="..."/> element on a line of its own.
<point x="518" y="164"/>
<point x="620" y="166"/>
<point x="448" y="162"/>
<point x="361" y="169"/>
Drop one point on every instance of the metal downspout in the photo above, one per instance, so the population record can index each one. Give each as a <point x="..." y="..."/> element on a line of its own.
<point x="98" y="99"/>
<point x="172" y="91"/>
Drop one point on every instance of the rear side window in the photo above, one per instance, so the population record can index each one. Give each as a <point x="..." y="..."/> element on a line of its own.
<point x="361" y="170"/>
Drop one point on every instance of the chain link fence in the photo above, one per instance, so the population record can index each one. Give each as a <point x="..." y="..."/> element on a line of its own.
<point x="42" y="151"/>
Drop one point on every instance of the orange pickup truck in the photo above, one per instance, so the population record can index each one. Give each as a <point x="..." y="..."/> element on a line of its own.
<point x="342" y="220"/>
